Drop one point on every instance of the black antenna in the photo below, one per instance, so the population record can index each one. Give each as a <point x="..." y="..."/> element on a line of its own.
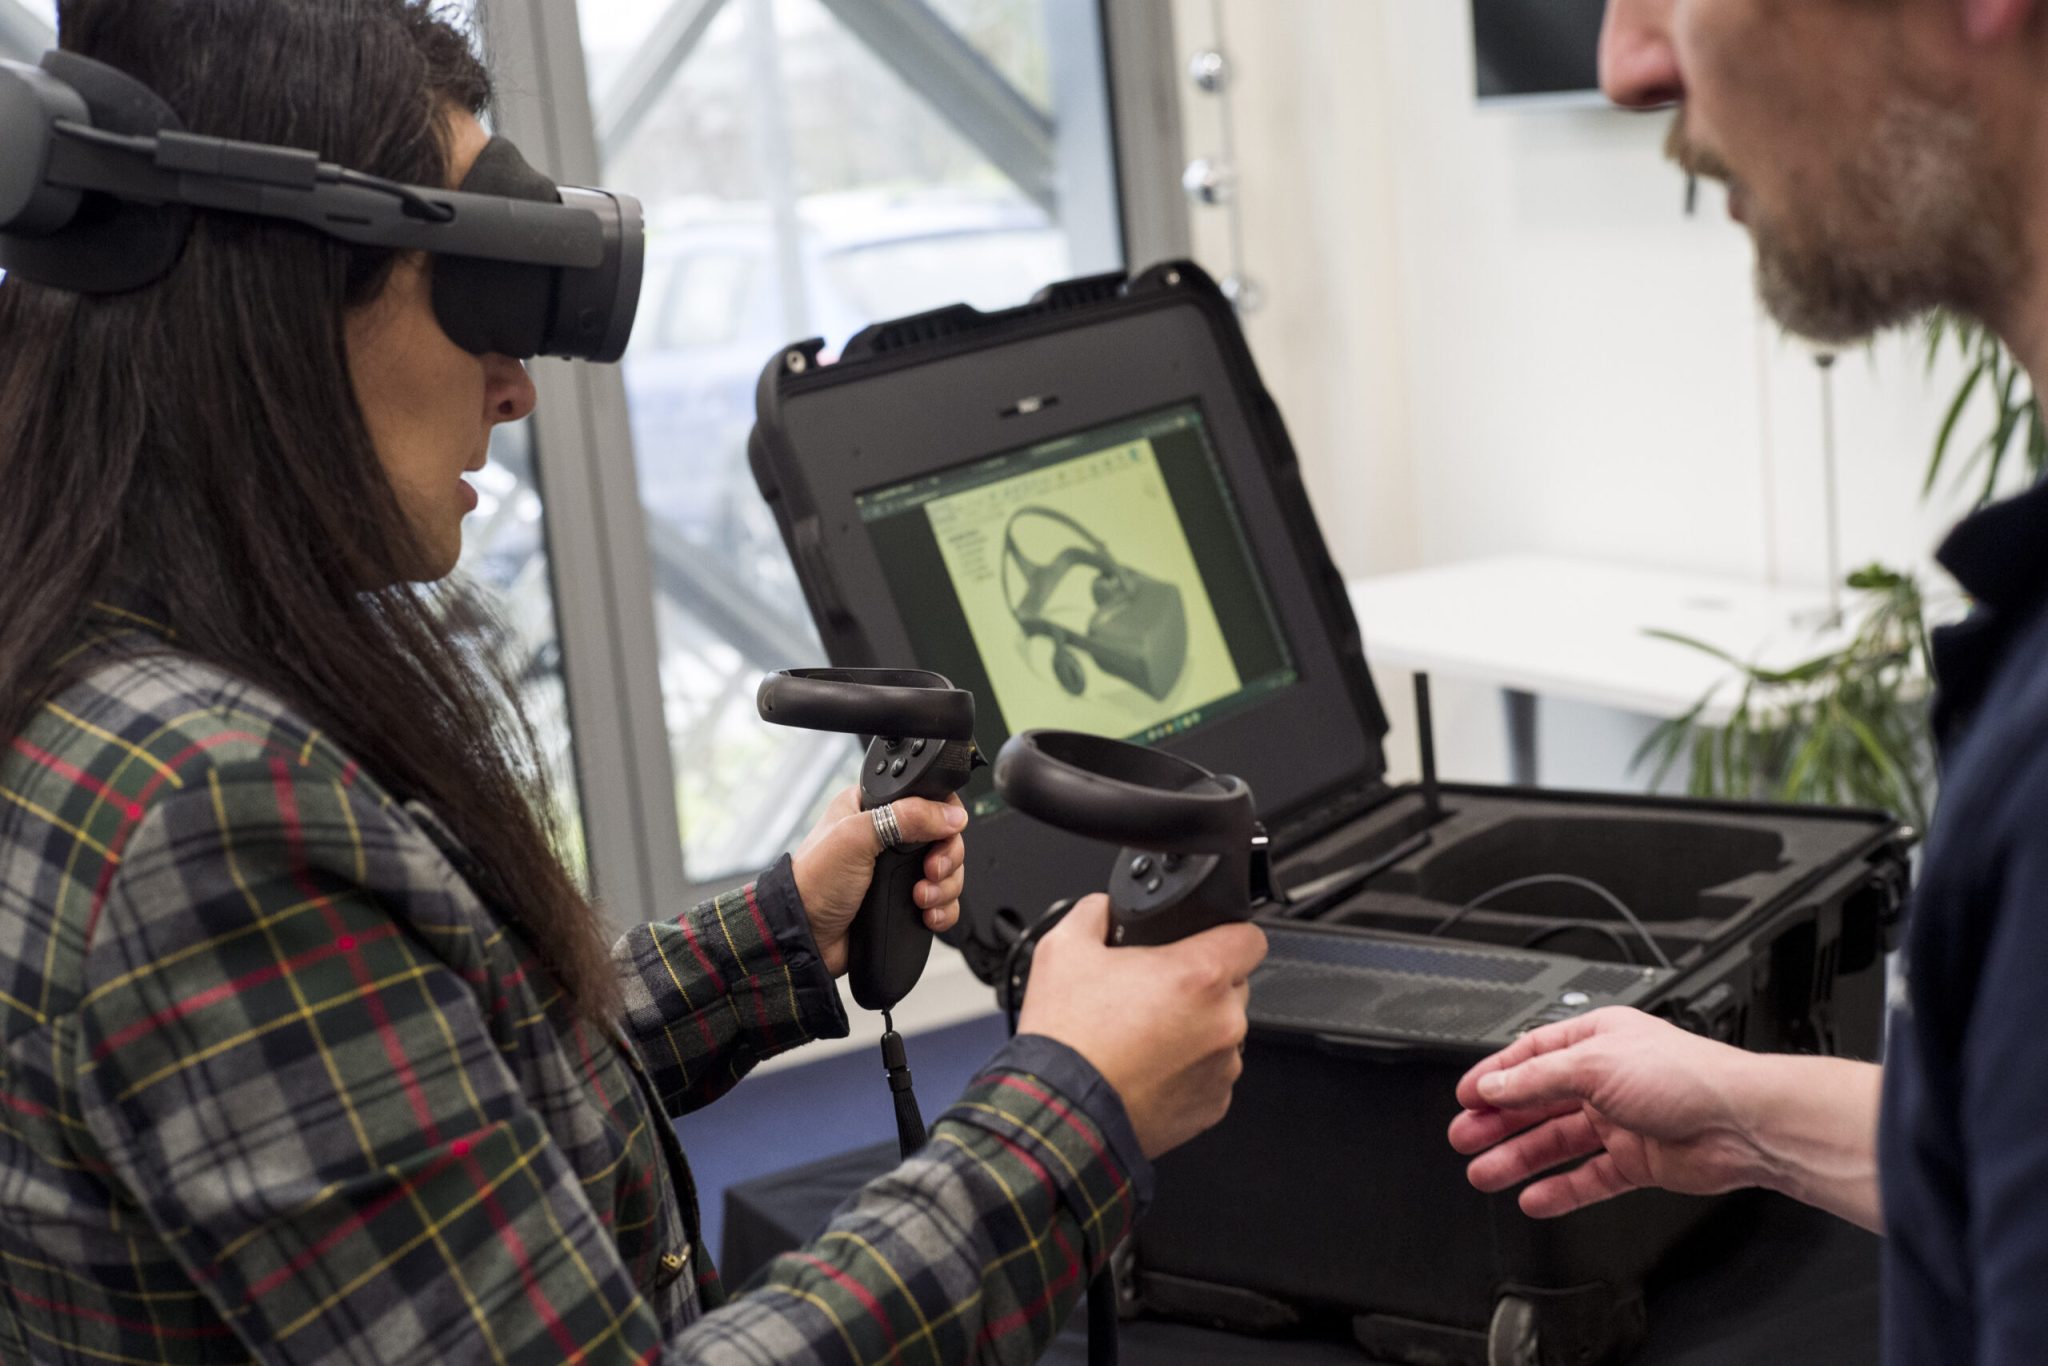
<point x="1425" y="725"/>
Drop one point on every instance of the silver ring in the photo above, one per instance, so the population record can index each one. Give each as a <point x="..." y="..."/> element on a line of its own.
<point x="886" y="829"/>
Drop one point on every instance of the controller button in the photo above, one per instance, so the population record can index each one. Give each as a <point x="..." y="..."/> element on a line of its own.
<point x="892" y="745"/>
<point x="1141" y="866"/>
<point x="917" y="747"/>
<point x="1154" y="885"/>
<point x="881" y="767"/>
<point x="896" y="769"/>
<point x="1174" y="861"/>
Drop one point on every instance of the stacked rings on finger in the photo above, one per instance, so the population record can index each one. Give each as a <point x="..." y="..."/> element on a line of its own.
<point x="886" y="829"/>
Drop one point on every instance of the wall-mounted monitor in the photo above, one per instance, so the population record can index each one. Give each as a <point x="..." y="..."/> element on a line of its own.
<point x="1537" y="50"/>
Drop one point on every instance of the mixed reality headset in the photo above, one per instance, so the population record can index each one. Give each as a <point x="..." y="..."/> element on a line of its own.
<point x="1139" y="629"/>
<point x="99" y="182"/>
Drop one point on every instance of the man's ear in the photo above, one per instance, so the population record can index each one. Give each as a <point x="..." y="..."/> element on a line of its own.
<point x="1995" y="21"/>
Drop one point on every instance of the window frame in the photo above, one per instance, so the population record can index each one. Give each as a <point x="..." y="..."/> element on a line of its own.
<point x="24" y="36"/>
<point x="584" y="461"/>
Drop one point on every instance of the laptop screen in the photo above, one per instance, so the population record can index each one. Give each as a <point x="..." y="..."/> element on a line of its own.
<point x="1101" y="582"/>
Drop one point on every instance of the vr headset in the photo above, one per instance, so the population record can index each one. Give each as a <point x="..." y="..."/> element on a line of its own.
<point x="1139" y="631"/>
<point x="99" y="182"/>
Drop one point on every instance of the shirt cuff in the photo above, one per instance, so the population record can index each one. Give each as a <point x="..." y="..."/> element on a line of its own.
<point x="820" y="1012"/>
<point x="1076" y="1078"/>
<point x="1040" y="1096"/>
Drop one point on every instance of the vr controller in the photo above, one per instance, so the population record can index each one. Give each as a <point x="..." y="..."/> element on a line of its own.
<point x="1194" y="855"/>
<point x="922" y="746"/>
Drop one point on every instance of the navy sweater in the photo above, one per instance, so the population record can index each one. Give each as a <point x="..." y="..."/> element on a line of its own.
<point x="1964" y="1141"/>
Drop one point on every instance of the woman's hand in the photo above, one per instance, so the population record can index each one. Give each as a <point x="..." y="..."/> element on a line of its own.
<point x="837" y="862"/>
<point x="1165" y="1026"/>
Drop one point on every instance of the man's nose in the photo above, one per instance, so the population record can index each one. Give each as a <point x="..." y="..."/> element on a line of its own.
<point x="1638" y="63"/>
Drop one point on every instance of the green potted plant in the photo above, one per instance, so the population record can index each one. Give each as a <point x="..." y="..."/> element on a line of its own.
<point x="1849" y="726"/>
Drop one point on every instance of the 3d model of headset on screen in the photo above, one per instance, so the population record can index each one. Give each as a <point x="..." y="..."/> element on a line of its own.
<point x="1139" y="630"/>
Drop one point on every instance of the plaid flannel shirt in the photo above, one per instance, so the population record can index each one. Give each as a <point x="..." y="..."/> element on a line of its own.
<point x="277" y="1085"/>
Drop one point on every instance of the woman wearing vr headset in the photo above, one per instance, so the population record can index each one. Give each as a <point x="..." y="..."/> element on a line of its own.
<point x="310" y="1048"/>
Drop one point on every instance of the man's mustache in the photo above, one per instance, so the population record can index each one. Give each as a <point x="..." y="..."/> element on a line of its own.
<point x="1692" y="158"/>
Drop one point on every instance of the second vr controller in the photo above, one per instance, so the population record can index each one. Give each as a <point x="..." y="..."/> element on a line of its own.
<point x="922" y="746"/>
<point x="1193" y="856"/>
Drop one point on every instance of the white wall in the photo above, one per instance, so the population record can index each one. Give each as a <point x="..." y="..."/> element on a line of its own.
<point x="1494" y="331"/>
<point x="1317" y="202"/>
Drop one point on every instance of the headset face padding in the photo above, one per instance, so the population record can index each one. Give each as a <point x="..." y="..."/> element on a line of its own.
<point x="495" y="306"/>
<point x="499" y="307"/>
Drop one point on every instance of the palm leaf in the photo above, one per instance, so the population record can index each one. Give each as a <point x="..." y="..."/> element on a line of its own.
<point x="1948" y="427"/>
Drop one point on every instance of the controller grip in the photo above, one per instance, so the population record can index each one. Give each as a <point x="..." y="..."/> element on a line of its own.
<point x="888" y="944"/>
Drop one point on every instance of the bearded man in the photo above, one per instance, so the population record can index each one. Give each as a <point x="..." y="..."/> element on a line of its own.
<point x="1888" y="156"/>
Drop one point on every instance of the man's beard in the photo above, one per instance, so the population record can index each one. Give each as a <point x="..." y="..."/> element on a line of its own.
<point x="1904" y="224"/>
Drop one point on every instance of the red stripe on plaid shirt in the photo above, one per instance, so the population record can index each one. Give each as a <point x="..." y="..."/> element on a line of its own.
<point x="226" y="990"/>
<point x="1024" y="1313"/>
<point x="112" y="863"/>
<point x="703" y="959"/>
<point x="1011" y="1322"/>
<point x="24" y="1107"/>
<point x="79" y="1311"/>
<point x="72" y="773"/>
<point x="1012" y="1081"/>
<point x="704" y="1029"/>
<point x="288" y="810"/>
<point x="774" y="950"/>
<point x="356" y="1221"/>
<point x="572" y="1351"/>
<point x="761" y="925"/>
<point x="591" y="1071"/>
<point x="858" y="1291"/>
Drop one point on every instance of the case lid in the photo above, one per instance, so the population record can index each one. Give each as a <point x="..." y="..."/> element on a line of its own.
<point x="1086" y="511"/>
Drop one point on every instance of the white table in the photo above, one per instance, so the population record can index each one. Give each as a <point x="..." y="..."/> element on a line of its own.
<point x="1537" y="625"/>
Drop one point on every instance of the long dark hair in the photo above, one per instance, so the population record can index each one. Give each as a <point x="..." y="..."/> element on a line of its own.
<point x="202" y="437"/>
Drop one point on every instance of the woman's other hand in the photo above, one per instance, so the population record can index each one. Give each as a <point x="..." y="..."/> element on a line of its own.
<point x="837" y="862"/>
<point x="1164" y="1025"/>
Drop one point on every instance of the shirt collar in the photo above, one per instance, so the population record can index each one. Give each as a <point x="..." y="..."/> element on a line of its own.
<point x="2000" y="555"/>
<point x="129" y="608"/>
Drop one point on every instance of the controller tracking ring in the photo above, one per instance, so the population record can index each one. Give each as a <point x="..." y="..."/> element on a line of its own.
<point x="909" y="702"/>
<point x="1123" y="793"/>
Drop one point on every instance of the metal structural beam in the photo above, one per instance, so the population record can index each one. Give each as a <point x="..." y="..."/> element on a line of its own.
<point x="603" y="575"/>
<point x="1145" y="88"/>
<point x="706" y="587"/>
<point x="1090" y="211"/>
<point x="24" y="37"/>
<point x="944" y="69"/>
<point x="640" y="87"/>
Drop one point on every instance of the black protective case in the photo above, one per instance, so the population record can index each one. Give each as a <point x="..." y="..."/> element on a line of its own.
<point x="1329" y="1200"/>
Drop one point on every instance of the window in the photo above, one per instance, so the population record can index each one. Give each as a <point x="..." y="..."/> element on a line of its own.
<point x="505" y="556"/>
<point x="28" y="29"/>
<point x="809" y="167"/>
